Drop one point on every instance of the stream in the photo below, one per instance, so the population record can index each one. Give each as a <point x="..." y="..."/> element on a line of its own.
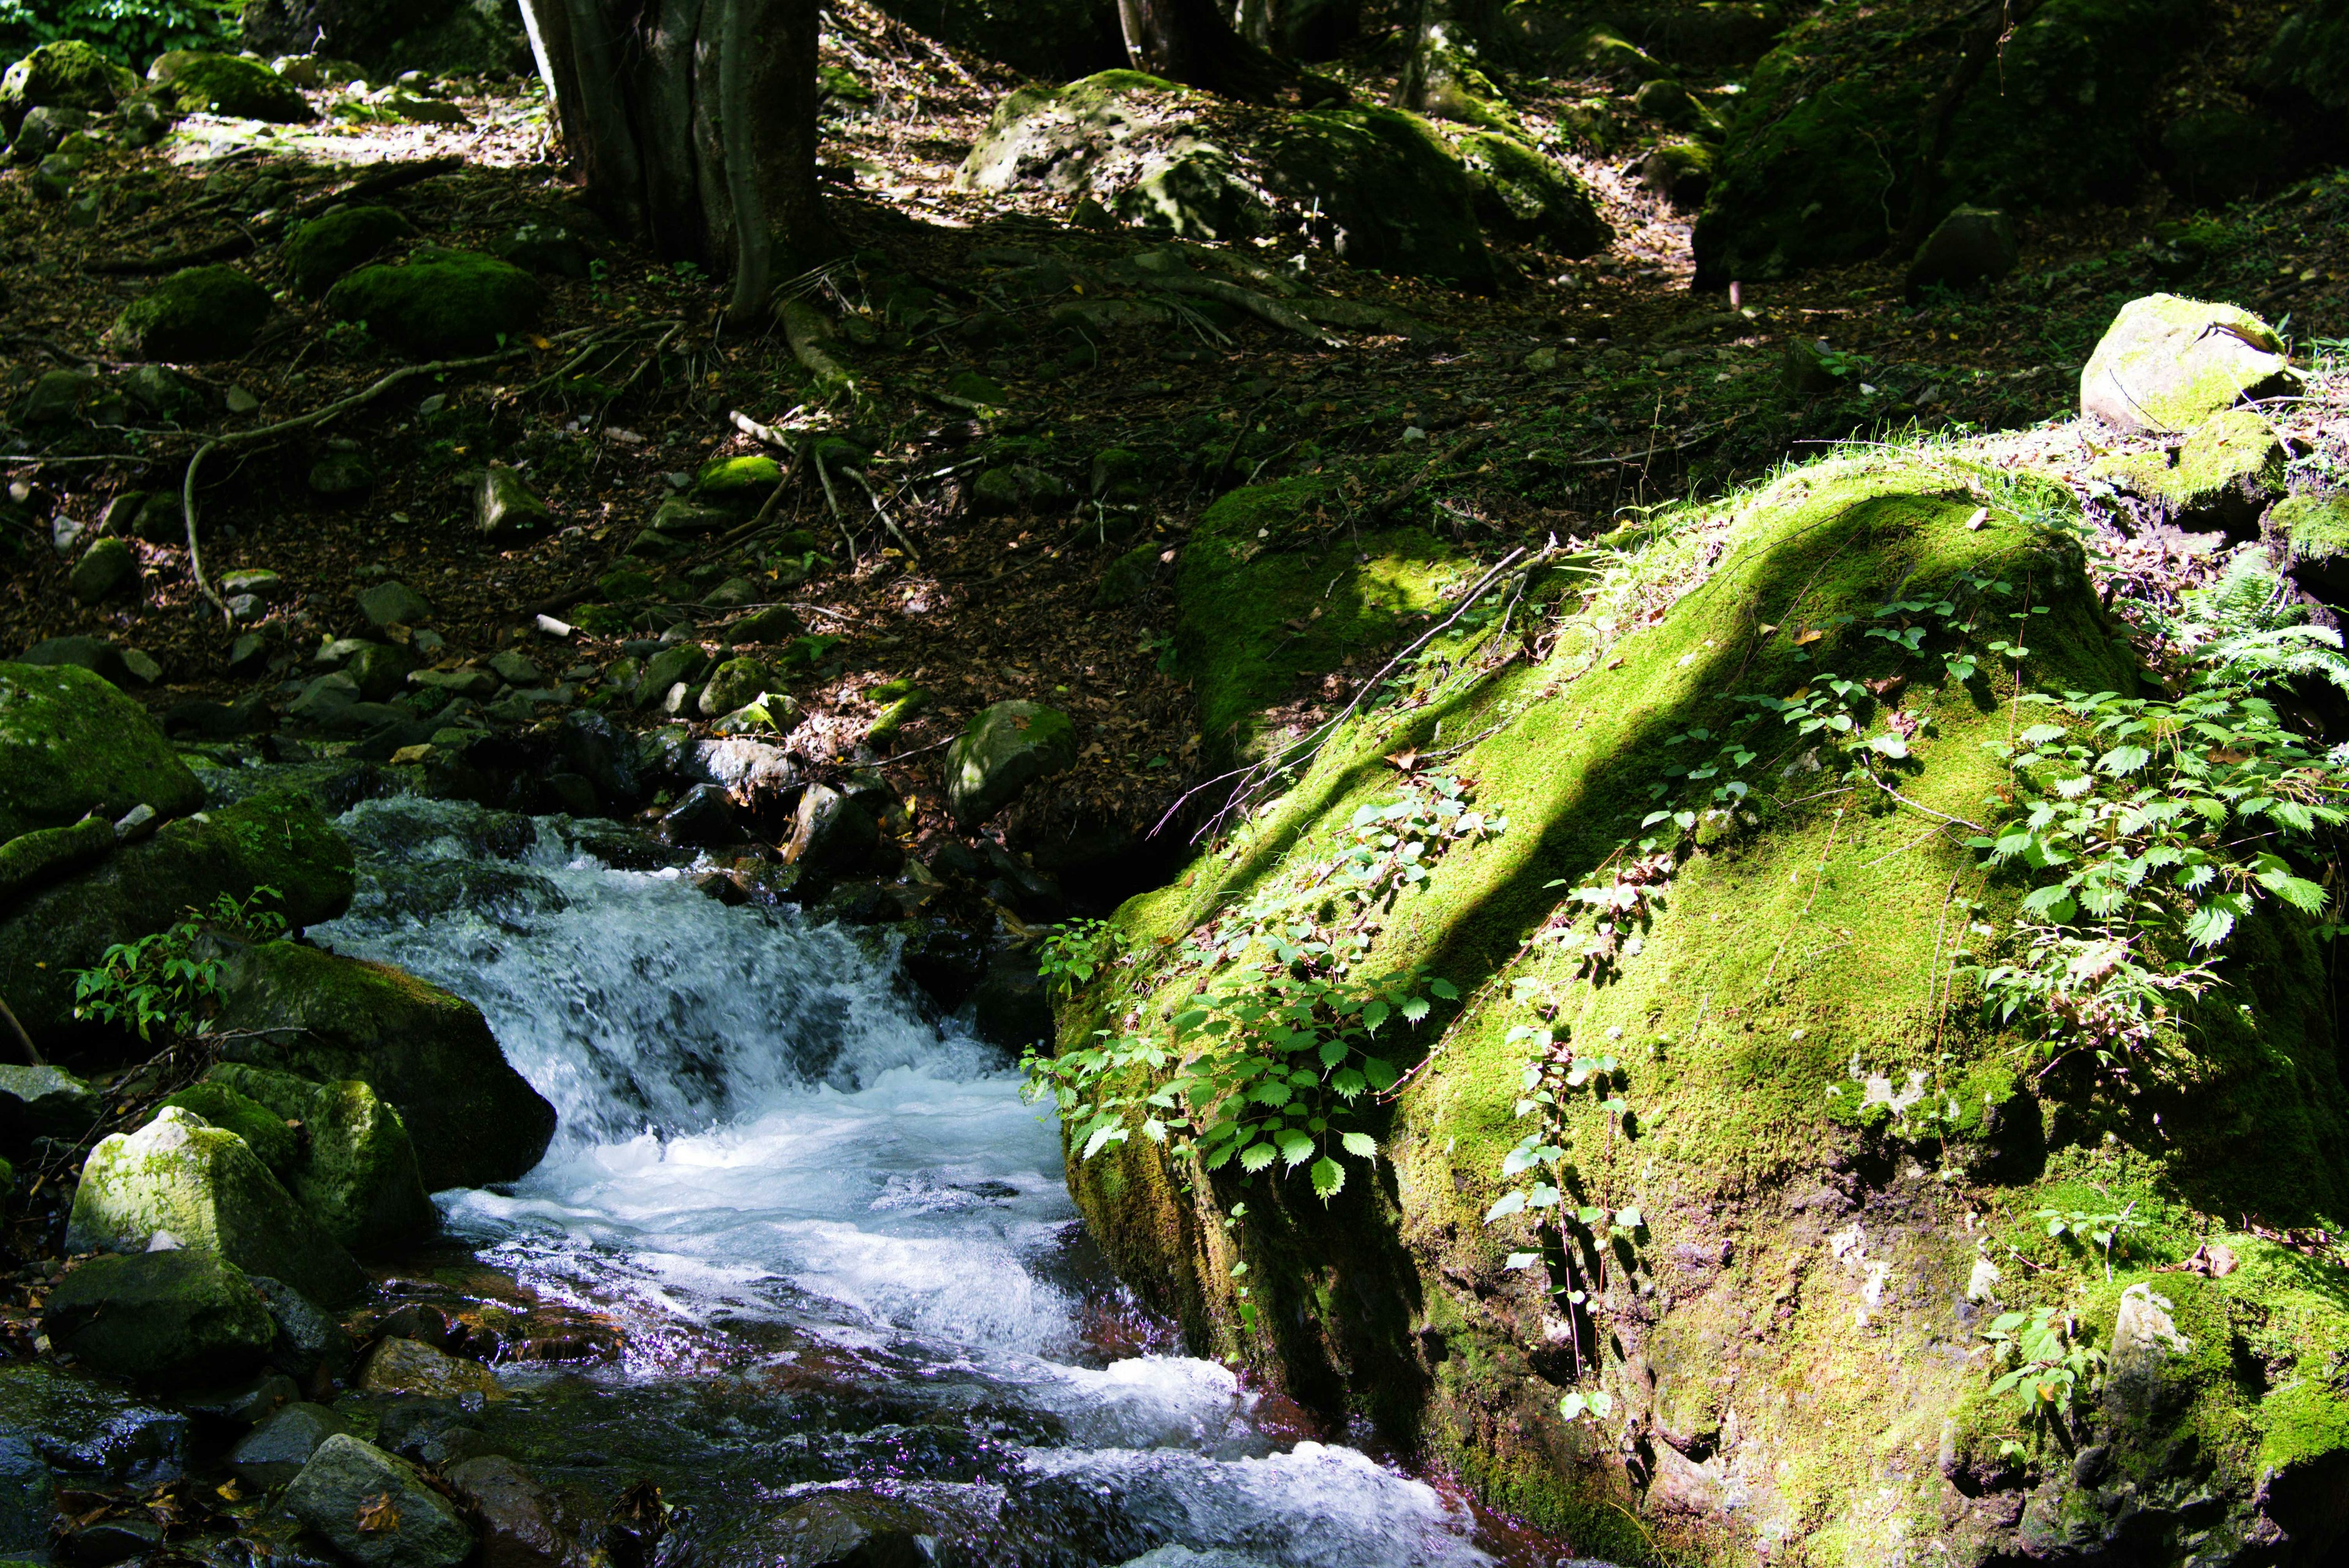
<point x="833" y="1240"/>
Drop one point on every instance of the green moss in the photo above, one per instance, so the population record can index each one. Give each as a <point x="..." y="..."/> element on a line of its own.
<point x="2317" y="526"/>
<point x="1522" y="196"/>
<point x="263" y="1130"/>
<point x="440" y="302"/>
<point x="68" y="74"/>
<point x="197" y="83"/>
<point x="331" y="245"/>
<point x="2233" y="453"/>
<point x="749" y="471"/>
<point x="203" y="313"/>
<point x="71" y="743"/>
<point x="1396" y="195"/>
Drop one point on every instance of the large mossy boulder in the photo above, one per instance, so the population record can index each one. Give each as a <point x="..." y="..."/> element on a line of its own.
<point x="70" y="743"/>
<point x="1522" y="195"/>
<point x="2166" y="364"/>
<point x="195" y="82"/>
<point x="1808" y="180"/>
<point x="167" y="1316"/>
<point x="203" y="313"/>
<point x="332" y="243"/>
<point x="68" y="74"/>
<point x="274" y="839"/>
<point x="182" y="1180"/>
<point x="1783" y="1255"/>
<point x="469" y="1116"/>
<point x="355" y="1169"/>
<point x="1003" y="750"/>
<point x="1387" y="192"/>
<point x="441" y="303"/>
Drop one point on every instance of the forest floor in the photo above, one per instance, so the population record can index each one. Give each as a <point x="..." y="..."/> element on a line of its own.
<point x="1593" y="385"/>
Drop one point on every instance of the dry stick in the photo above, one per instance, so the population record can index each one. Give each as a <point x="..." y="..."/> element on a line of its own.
<point x="23" y="1041"/>
<point x="886" y="521"/>
<point x="1247" y="299"/>
<point x="1380" y="510"/>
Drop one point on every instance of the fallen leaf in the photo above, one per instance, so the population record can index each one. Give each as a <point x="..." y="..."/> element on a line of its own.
<point x="1981" y="516"/>
<point x="1803" y="638"/>
<point x="1405" y="760"/>
<point x="378" y="1513"/>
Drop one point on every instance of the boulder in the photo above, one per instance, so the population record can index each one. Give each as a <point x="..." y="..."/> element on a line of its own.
<point x="2314" y="531"/>
<point x="165" y="1316"/>
<point x="1002" y="750"/>
<point x="522" y="1523"/>
<point x="1389" y="194"/>
<point x="832" y="834"/>
<point x="68" y="74"/>
<point x="2166" y="364"/>
<point x="377" y="1510"/>
<point x="60" y="395"/>
<point x="272" y="1135"/>
<point x="738" y="478"/>
<point x="44" y="1102"/>
<point x="469" y="1116"/>
<point x="71" y="743"/>
<point x="1681" y="172"/>
<point x="43" y="131"/>
<point x="179" y="1173"/>
<point x="108" y="568"/>
<point x="272" y="839"/>
<point x="64" y="1426"/>
<point x="1671" y="105"/>
<point x="379" y="670"/>
<point x="1971" y="245"/>
<point x="307" y="1342"/>
<point x="1524" y="196"/>
<point x="195" y="82"/>
<point x="275" y="1452"/>
<point x="198" y="314"/>
<point x="440" y="302"/>
<point x="678" y="661"/>
<point x="862" y="1530"/>
<point x="2221" y="477"/>
<point x="411" y="1366"/>
<point x="775" y="624"/>
<point x="356" y="1172"/>
<point x="731" y="684"/>
<point x="49" y="854"/>
<point x="393" y="604"/>
<point x="504" y="507"/>
<point x="325" y="248"/>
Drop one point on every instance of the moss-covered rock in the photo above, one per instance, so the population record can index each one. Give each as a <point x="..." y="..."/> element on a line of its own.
<point x="734" y="683"/>
<point x="180" y="1175"/>
<point x="203" y="313"/>
<point x="1791" y="1306"/>
<point x="742" y="477"/>
<point x="2166" y="364"/>
<point x="355" y="1169"/>
<point x="1522" y="196"/>
<point x="70" y="743"/>
<point x="441" y="303"/>
<point x="194" y="82"/>
<point x="1003" y="750"/>
<point x="169" y="1316"/>
<point x="271" y="840"/>
<point x="346" y="1481"/>
<point x="44" y="1102"/>
<point x="328" y="245"/>
<point x="2221" y="476"/>
<point x="268" y="1133"/>
<point x="2314" y="531"/>
<point x="470" y="1117"/>
<point x="68" y="74"/>
<point x="1390" y="194"/>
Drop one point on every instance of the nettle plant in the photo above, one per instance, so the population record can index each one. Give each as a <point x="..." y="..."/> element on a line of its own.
<point x="2045" y="1365"/>
<point x="168" y="980"/>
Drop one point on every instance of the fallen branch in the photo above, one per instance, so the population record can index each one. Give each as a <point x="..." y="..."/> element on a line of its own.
<point x="1257" y="305"/>
<point x="1380" y="510"/>
<point x="805" y="330"/>
<point x="366" y="188"/>
<point x="1620" y="459"/>
<point x="23" y="1041"/>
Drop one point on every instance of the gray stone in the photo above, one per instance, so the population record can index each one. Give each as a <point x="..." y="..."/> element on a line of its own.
<point x="46" y="1102"/>
<point x="59" y="395"/>
<point x="99" y="655"/>
<point x="323" y="697"/>
<point x="1972" y="244"/>
<point x="504" y="507"/>
<point x="393" y="604"/>
<point x="704" y="816"/>
<point x="1002" y="750"/>
<point x="680" y="518"/>
<point x="678" y="662"/>
<point x="44" y="129"/>
<point x="732" y="684"/>
<point x="832" y="834"/>
<point x="775" y="624"/>
<point x="733" y="593"/>
<point x="2166" y="364"/>
<point x="306" y="1341"/>
<point x="165" y="1315"/>
<point x="375" y="1509"/>
<point x="64" y="1426"/>
<point x="515" y="668"/>
<point x="259" y="581"/>
<point x="522" y="1523"/>
<point x="106" y="568"/>
<point x="380" y="670"/>
<point x="478" y="684"/>
<point x="275" y="1452"/>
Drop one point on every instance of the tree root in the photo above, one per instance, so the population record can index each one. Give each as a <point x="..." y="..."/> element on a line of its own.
<point x="382" y="182"/>
<point x="1257" y="305"/>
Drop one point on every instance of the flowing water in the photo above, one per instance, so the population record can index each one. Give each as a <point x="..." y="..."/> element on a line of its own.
<point x="834" y="1241"/>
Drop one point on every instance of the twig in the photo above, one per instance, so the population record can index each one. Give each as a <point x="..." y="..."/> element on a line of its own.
<point x="1380" y="510"/>
<point x="1928" y="810"/>
<point x="1626" y="459"/>
<point x="23" y="1041"/>
<point x="382" y="183"/>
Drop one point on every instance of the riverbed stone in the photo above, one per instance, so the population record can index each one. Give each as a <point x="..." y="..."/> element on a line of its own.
<point x="440" y="302"/>
<point x="375" y="1509"/>
<point x="274" y="1453"/>
<point x="393" y="604"/>
<point x="198" y="314"/>
<point x="1002" y="750"/>
<point x="412" y="1366"/>
<point x="71" y="743"/>
<point x="356" y="1171"/>
<point x="160" y="1316"/>
<point x="2168" y="363"/>
<point x="69" y="74"/>
<point x="308" y="1340"/>
<point x="44" y="1102"/>
<point x="106" y="568"/>
<point x="379" y="670"/>
<point x="325" y="248"/>
<point x="504" y="507"/>
<point x="832" y="834"/>
<point x="65" y="1426"/>
<point x="523" y="1524"/>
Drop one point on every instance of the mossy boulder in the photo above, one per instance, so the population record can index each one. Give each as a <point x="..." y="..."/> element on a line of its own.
<point x="2221" y="476"/>
<point x="1390" y="194"/>
<point x="328" y="245"/>
<point x="1522" y="196"/>
<point x="44" y="1102"/>
<point x="742" y="477"/>
<point x="2057" y="124"/>
<point x="71" y="743"/>
<point x="2314" y="530"/>
<point x="208" y="1191"/>
<point x="68" y="74"/>
<point x="734" y="683"/>
<point x="1971" y="245"/>
<point x="355" y="1171"/>
<point x="271" y="1135"/>
<point x="346" y="1489"/>
<point x="195" y="82"/>
<point x="109" y="567"/>
<point x="469" y="1116"/>
<point x="1003" y="750"/>
<point x="271" y="840"/>
<point x="203" y="313"/>
<point x="2167" y="363"/>
<point x="171" y="1317"/>
<point x="441" y="303"/>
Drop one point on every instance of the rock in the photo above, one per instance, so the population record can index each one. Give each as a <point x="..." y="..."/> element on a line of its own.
<point x="375" y="1509"/>
<point x="523" y="1525"/>
<point x="43" y="130"/>
<point x="470" y="1117"/>
<point x="102" y="657"/>
<point x="393" y="604"/>
<point x="2314" y="530"/>
<point x="731" y="684"/>
<point x="1971" y="245"/>
<point x="2166" y="364"/>
<point x="248" y="655"/>
<point x="602" y="755"/>
<point x="44" y="1102"/>
<point x="768" y="626"/>
<point x="307" y="1342"/>
<point x="1805" y="370"/>
<point x="1389" y="194"/>
<point x="69" y="74"/>
<point x="258" y="581"/>
<point x="356" y="1172"/>
<point x="1524" y="196"/>
<point x="854" y="1529"/>
<point x="740" y="477"/>
<point x="266" y="1132"/>
<point x="705" y="816"/>
<point x="325" y="248"/>
<point x="247" y="1402"/>
<point x="161" y="521"/>
<point x="324" y="698"/>
<point x="59" y="396"/>
<point x="160" y="1316"/>
<point x="504" y="507"/>
<point x="48" y="856"/>
<point x="203" y="313"/>
<point x="273" y="1453"/>
<point x="1129" y="577"/>
<point x="2145" y="1339"/>
<point x="197" y="83"/>
<point x="440" y="302"/>
<point x="1681" y="172"/>
<point x="893" y="717"/>
<point x="679" y="662"/>
<point x="411" y="1366"/>
<point x="181" y="1174"/>
<point x="1673" y="106"/>
<point x="160" y="391"/>
<point x="1002" y="750"/>
<point x="479" y="685"/>
<point x="2222" y="477"/>
<point x="547" y="248"/>
<point x="733" y="593"/>
<point x="71" y="743"/>
<point x="832" y="834"/>
<point x="104" y="569"/>
<point x="341" y="474"/>
<point x="515" y="668"/>
<point x="679" y="519"/>
<point x="64" y="1427"/>
<point x="141" y="122"/>
<point x="381" y="670"/>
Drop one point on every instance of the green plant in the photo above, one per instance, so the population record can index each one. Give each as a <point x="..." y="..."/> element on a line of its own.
<point x="166" y="979"/>
<point x="2050" y="1369"/>
<point x="2250" y="629"/>
<point x="2107" y="1232"/>
<point x="1076" y="951"/>
<point x="133" y="32"/>
<point x="1392" y="844"/>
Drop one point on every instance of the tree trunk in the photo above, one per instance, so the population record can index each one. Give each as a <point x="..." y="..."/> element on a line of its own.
<point x="1193" y="42"/>
<point x="692" y="125"/>
<point x="1937" y="123"/>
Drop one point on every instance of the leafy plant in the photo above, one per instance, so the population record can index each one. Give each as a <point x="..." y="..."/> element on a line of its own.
<point x="1073" y="953"/>
<point x="164" y="980"/>
<point x="1394" y="843"/>
<point x="2050" y="1369"/>
<point x="2107" y="1232"/>
<point x="132" y="32"/>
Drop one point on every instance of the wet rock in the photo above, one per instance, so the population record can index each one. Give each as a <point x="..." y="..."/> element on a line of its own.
<point x="505" y="508"/>
<point x="355" y="1169"/>
<point x="431" y="1432"/>
<point x="1010" y="1008"/>
<point x="71" y="743"/>
<point x="440" y="302"/>
<point x="106" y="568"/>
<point x="322" y="699"/>
<point x="604" y="756"/>
<point x="831" y="836"/>
<point x="523" y="1524"/>
<point x="275" y="1452"/>
<point x="375" y="1509"/>
<point x="246" y="1404"/>
<point x="412" y="1366"/>
<point x="2166" y="364"/>
<point x="305" y="1342"/>
<point x="1971" y="245"/>
<point x="850" y="1530"/>
<point x="393" y="604"/>
<point x="947" y="963"/>
<point x="325" y="248"/>
<point x="161" y="1316"/>
<point x="705" y="816"/>
<point x="202" y="1186"/>
<point x="1002" y="750"/>
<point x="203" y="313"/>
<point x="64" y="1426"/>
<point x="197" y="83"/>
<point x="111" y="1540"/>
